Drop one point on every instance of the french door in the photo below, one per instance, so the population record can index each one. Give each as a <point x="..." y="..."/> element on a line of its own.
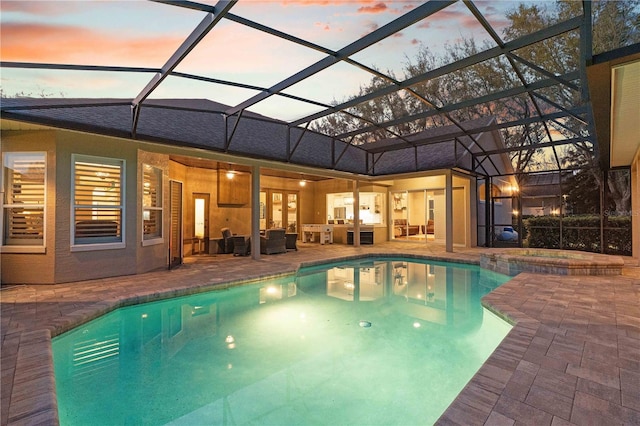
<point x="279" y="209"/>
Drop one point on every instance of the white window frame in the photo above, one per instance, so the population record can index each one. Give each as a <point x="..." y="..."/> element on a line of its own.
<point x="107" y="161"/>
<point x="158" y="239"/>
<point x="40" y="248"/>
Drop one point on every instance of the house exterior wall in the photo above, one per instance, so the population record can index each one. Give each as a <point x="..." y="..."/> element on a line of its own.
<point x="59" y="263"/>
<point x="83" y="265"/>
<point x="33" y="268"/>
<point x="635" y="206"/>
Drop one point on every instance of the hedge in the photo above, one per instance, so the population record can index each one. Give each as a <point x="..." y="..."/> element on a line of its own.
<point x="580" y="233"/>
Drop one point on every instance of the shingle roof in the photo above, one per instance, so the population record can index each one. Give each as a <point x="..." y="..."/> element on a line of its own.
<point x="201" y="123"/>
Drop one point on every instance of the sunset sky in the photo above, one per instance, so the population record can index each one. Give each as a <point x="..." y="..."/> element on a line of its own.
<point x="145" y="34"/>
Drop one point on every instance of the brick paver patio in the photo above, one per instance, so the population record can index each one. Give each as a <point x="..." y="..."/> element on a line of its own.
<point x="573" y="356"/>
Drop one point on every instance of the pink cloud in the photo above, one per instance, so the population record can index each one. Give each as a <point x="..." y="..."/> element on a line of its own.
<point x="324" y="2"/>
<point x="74" y="44"/>
<point x="323" y="26"/>
<point x="444" y="19"/>
<point x="376" y="8"/>
<point x="43" y="8"/>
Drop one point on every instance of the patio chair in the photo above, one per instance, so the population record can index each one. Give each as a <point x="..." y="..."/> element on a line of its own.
<point x="227" y="240"/>
<point x="241" y="245"/>
<point x="291" y="239"/>
<point x="274" y="241"/>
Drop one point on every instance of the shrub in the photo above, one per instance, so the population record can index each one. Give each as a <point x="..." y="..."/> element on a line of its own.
<point x="580" y="233"/>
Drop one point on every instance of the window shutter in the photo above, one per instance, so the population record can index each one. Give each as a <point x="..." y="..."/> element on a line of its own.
<point x="98" y="202"/>
<point x="24" y="199"/>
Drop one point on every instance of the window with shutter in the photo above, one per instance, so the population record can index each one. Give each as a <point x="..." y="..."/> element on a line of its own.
<point x="24" y="185"/>
<point x="151" y="203"/>
<point x="98" y="203"/>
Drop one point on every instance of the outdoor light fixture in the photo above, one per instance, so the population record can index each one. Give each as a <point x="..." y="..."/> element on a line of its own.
<point x="303" y="182"/>
<point x="515" y="212"/>
<point x="230" y="174"/>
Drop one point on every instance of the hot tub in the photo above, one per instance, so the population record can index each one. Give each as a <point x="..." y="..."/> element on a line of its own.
<point x="547" y="261"/>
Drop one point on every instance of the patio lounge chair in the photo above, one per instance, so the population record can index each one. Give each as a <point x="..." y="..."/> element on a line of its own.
<point x="227" y="240"/>
<point x="274" y="241"/>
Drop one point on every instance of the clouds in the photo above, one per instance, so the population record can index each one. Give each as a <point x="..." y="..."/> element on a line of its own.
<point x="146" y="34"/>
<point x="41" y="8"/>
<point x="461" y="18"/>
<point x="37" y="42"/>
<point x="376" y="8"/>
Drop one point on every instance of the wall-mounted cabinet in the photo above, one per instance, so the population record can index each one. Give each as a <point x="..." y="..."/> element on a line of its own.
<point x="235" y="189"/>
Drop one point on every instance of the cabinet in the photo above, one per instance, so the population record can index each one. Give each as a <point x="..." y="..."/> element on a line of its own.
<point x="235" y="191"/>
<point x="366" y="236"/>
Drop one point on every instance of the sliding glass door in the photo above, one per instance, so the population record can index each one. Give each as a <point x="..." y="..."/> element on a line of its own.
<point x="418" y="215"/>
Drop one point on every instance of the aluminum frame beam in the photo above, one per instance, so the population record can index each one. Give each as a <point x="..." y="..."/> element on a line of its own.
<point x="203" y="28"/>
<point x="539" y="145"/>
<point x="476" y="130"/>
<point x="381" y="33"/>
<point x="514" y="91"/>
<point x="516" y="44"/>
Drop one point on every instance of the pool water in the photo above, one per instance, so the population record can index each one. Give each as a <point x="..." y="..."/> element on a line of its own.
<point x="375" y="342"/>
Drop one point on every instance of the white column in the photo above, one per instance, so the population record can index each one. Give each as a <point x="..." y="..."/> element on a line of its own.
<point x="356" y="213"/>
<point x="449" y="212"/>
<point x="255" y="212"/>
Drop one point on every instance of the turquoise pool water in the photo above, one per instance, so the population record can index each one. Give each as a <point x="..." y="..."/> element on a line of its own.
<point x="375" y="342"/>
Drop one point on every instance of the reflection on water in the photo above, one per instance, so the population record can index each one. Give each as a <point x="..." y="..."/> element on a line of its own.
<point x="375" y="342"/>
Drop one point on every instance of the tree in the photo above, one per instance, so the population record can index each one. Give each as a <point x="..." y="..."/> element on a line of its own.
<point x="615" y="24"/>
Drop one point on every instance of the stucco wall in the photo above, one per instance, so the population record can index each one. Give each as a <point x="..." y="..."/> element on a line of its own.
<point x="74" y="266"/>
<point x="635" y="206"/>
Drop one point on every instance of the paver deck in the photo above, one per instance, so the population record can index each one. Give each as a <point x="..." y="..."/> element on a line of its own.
<point x="573" y="356"/>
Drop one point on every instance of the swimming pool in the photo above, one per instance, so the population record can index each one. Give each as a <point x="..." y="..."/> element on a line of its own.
<point x="377" y="341"/>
